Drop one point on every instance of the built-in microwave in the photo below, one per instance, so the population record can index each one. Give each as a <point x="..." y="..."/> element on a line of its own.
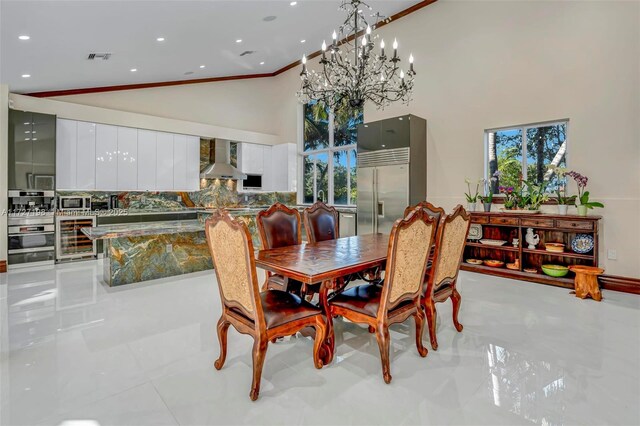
<point x="72" y="202"/>
<point x="252" y="182"/>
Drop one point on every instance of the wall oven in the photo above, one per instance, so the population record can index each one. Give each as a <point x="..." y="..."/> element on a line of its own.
<point x="70" y="202"/>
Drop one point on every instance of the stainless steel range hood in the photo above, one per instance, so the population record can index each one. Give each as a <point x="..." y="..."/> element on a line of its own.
<point x="220" y="167"/>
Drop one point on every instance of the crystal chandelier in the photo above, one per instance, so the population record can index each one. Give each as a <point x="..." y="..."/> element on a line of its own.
<point x="352" y="72"/>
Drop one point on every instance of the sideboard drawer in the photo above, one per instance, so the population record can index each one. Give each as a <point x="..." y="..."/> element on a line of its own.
<point x="479" y="219"/>
<point x="501" y="220"/>
<point x="575" y="224"/>
<point x="537" y="223"/>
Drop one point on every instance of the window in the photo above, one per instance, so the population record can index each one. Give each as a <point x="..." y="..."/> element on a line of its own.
<point x="329" y="154"/>
<point x="526" y="152"/>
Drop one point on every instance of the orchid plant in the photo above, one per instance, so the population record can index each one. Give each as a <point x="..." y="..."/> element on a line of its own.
<point x="562" y="197"/>
<point x="488" y="183"/>
<point x="472" y="198"/>
<point x="583" y="195"/>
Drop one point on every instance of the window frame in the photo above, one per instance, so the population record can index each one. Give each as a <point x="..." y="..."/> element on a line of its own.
<point x="329" y="150"/>
<point x="523" y="129"/>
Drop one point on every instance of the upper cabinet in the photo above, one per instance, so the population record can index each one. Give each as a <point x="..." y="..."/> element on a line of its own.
<point x="32" y="150"/>
<point x="251" y="158"/>
<point x="102" y="157"/>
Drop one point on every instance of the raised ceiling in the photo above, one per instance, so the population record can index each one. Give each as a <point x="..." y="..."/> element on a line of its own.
<point x="63" y="33"/>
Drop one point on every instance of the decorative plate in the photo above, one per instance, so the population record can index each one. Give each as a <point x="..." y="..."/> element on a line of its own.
<point x="475" y="231"/>
<point x="494" y="263"/>
<point x="503" y="210"/>
<point x="474" y="261"/>
<point x="490" y="242"/>
<point x="582" y="243"/>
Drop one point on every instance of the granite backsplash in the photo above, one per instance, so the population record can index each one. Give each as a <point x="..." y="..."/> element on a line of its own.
<point x="213" y="193"/>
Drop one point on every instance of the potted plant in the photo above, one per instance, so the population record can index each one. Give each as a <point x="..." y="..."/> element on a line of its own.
<point x="509" y="197"/>
<point x="487" y="199"/>
<point x="536" y="195"/>
<point x="563" y="200"/>
<point x="583" y="196"/>
<point x="472" y="198"/>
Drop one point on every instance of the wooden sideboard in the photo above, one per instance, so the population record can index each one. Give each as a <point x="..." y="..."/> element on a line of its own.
<point x="550" y="228"/>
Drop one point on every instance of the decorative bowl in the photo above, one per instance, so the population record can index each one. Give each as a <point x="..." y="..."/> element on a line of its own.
<point x="474" y="261"/>
<point x="531" y="270"/>
<point x="554" y="247"/>
<point x="490" y="242"/>
<point x="513" y="266"/>
<point x="582" y="243"/>
<point x="555" y="270"/>
<point x="494" y="263"/>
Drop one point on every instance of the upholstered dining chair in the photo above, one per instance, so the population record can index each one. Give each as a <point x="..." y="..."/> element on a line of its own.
<point x="321" y="222"/>
<point x="399" y="296"/>
<point x="435" y="212"/>
<point x="279" y="226"/>
<point x="264" y="316"/>
<point x="441" y="281"/>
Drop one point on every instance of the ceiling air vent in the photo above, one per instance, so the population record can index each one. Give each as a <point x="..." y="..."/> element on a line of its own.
<point x="248" y="52"/>
<point x="103" y="56"/>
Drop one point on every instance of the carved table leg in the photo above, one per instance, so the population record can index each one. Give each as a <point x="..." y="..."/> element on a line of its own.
<point x="329" y="343"/>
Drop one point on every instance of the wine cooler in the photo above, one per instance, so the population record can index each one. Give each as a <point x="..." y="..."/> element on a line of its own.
<point x="71" y="243"/>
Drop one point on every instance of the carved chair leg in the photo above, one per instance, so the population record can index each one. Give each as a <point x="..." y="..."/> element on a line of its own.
<point x="455" y="299"/>
<point x="321" y="334"/>
<point x="259" y="354"/>
<point x="382" y="336"/>
<point x="430" y="310"/>
<point x="419" y="318"/>
<point x="223" y="328"/>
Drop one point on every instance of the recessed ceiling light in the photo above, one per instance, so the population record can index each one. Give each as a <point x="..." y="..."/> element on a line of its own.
<point x="188" y="73"/>
<point x="133" y="69"/>
<point x="202" y="66"/>
<point x="303" y="41"/>
<point x="160" y="39"/>
<point x="269" y="18"/>
<point x="24" y="37"/>
<point x="293" y="3"/>
<point x="239" y="40"/>
<point x="26" y="75"/>
<point x="262" y="63"/>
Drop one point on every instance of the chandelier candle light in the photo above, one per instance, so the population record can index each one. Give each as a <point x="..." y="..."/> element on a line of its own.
<point x="352" y="72"/>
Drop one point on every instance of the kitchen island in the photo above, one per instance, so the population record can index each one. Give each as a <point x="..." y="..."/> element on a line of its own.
<point x="136" y="252"/>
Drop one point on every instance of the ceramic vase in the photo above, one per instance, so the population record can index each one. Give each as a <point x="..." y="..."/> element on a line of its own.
<point x="563" y="208"/>
<point x="582" y="210"/>
<point x="471" y="207"/>
<point x="487" y="207"/>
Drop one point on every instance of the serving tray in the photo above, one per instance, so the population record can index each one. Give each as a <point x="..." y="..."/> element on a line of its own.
<point x="490" y="242"/>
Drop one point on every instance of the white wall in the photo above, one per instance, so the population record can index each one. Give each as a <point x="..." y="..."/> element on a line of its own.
<point x="4" y="153"/>
<point x="237" y="104"/>
<point x="491" y="64"/>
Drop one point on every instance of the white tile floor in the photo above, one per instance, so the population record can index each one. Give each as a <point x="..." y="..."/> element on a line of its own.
<point x="74" y="349"/>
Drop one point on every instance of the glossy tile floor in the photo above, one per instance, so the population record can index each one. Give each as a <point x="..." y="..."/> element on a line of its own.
<point x="73" y="349"/>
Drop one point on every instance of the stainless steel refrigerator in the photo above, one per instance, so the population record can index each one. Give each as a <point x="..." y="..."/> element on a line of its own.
<point x="392" y="171"/>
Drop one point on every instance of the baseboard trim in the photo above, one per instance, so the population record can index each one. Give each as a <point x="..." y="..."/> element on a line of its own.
<point x="617" y="283"/>
<point x="3" y="266"/>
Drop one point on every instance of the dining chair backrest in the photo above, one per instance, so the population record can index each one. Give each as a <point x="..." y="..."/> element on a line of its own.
<point x="321" y="222"/>
<point x="279" y="226"/>
<point x="435" y="212"/>
<point x="409" y="246"/>
<point x="450" y="242"/>
<point x="231" y="249"/>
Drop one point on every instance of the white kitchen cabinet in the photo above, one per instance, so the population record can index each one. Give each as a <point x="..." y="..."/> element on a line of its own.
<point x="146" y="160"/>
<point x="127" y="159"/>
<point x="86" y="156"/>
<point x="251" y="158"/>
<point x="284" y="159"/>
<point x="193" y="163"/>
<point x="179" y="162"/>
<point x="106" y="157"/>
<point x="66" y="153"/>
<point x="269" y="169"/>
<point x="164" y="162"/>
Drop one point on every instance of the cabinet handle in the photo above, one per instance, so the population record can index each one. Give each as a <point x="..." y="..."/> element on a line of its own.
<point x="348" y="216"/>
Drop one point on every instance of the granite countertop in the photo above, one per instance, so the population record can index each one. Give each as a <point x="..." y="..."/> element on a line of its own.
<point x="106" y="232"/>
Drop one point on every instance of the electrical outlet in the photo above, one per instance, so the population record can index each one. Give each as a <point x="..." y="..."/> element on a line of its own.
<point x="169" y="248"/>
<point x="612" y="254"/>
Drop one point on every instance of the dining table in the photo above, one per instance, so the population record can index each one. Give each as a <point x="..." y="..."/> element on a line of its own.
<point x="325" y="263"/>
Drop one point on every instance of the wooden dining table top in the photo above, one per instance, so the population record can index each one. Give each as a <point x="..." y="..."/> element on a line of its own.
<point x="326" y="260"/>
